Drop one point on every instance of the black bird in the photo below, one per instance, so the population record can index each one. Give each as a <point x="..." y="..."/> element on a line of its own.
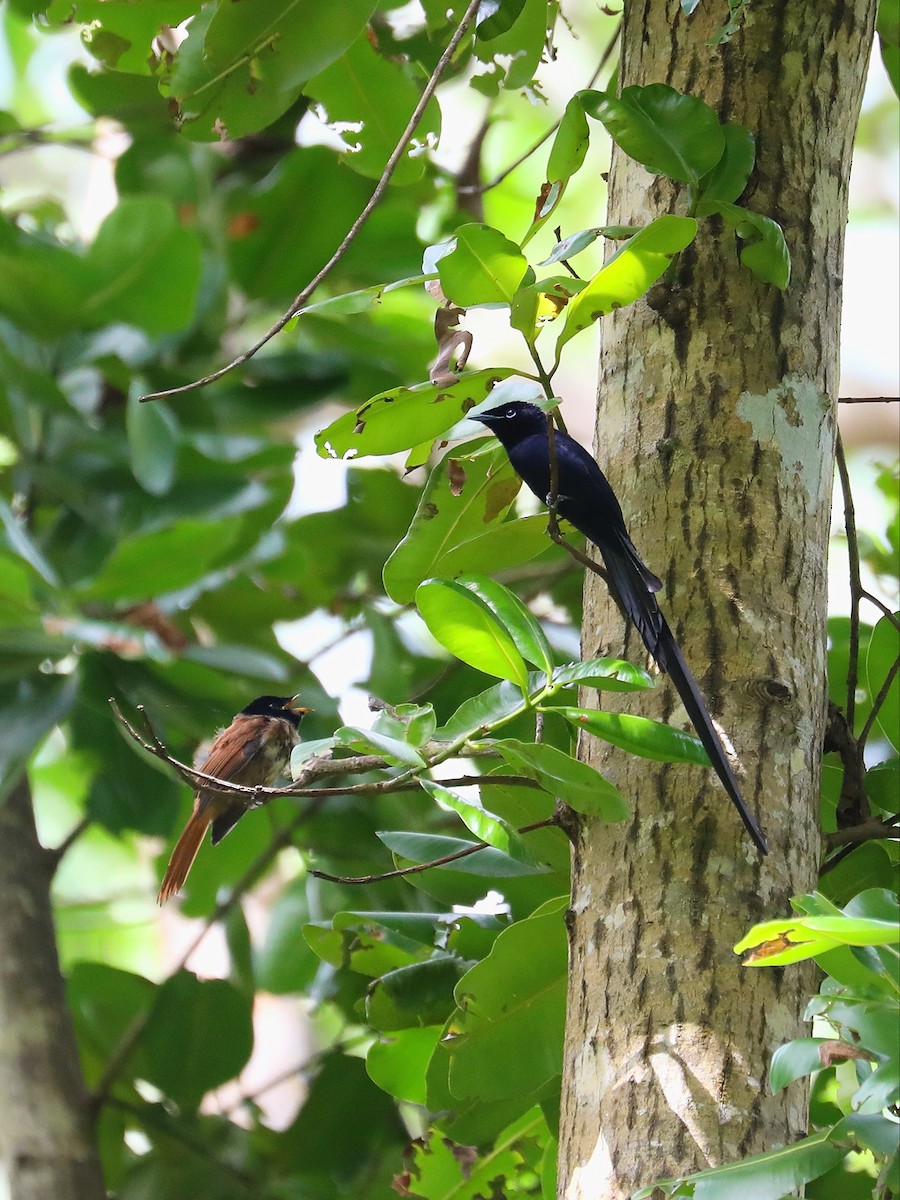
<point x="253" y="751"/>
<point x="585" y="498"/>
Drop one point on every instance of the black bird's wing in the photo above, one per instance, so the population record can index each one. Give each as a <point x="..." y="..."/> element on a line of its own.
<point x="586" y="499"/>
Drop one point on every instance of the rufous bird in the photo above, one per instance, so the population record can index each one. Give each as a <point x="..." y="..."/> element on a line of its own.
<point x="254" y="750"/>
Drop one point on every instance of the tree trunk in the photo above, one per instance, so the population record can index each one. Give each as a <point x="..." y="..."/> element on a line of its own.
<point x="716" y="426"/>
<point x="46" y="1146"/>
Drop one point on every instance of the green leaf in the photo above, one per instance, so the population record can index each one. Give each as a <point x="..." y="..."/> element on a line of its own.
<point x="19" y="541"/>
<point x="426" y="847"/>
<point x="573" y="782"/>
<point x="479" y="713"/>
<point x="403" y="417"/>
<point x="888" y="27"/>
<point x="371" y="741"/>
<point x="463" y="500"/>
<point x="367" y="90"/>
<point x="484" y="267"/>
<point x="199" y="1035"/>
<point x="495" y="17"/>
<point x="667" y="132"/>
<point x="570" y="145"/>
<point x="44" y="285"/>
<point x="635" y="266"/>
<point x="508" y="544"/>
<point x="768" y="1176"/>
<point x="881" y="1090"/>
<point x="240" y="952"/>
<point x="163" y="561"/>
<point x="268" y="251"/>
<point x="574" y="244"/>
<point x="105" y="1001"/>
<point x="284" y="962"/>
<point x="884" y="650"/>
<point x="520" y="47"/>
<point x="28" y="711"/>
<point x="407" y="928"/>
<point x="507" y="1038"/>
<point x="341" y="1130"/>
<point x="142" y="268"/>
<point x="360" y="948"/>
<point x="823" y="930"/>
<point x="296" y="41"/>
<point x="536" y="304"/>
<point x="153" y="443"/>
<point x="398" y="1061"/>
<point x="876" y="1133"/>
<point x="516" y="618"/>
<point x="794" y="1060"/>
<point x="348" y="304"/>
<point x="485" y="825"/>
<point x="132" y="26"/>
<point x="729" y="176"/>
<point x="764" y="250"/>
<point x="466" y="626"/>
<point x="435" y="1168"/>
<point x="638" y="735"/>
<point x="417" y="994"/>
<point x="605" y="674"/>
<point x="567" y="154"/>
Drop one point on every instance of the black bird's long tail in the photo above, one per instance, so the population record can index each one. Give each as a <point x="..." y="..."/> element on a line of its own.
<point x="633" y="590"/>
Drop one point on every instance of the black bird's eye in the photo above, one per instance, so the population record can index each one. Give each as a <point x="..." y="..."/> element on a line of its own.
<point x="510" y="412"/>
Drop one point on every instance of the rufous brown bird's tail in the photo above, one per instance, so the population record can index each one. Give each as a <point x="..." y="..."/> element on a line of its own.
<point x="184" y="853"/>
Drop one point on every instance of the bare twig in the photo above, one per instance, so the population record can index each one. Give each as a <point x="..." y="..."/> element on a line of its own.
<point x="869" y="400"/>
<point x="316" y="768"/>
<point x="852" y="805"/>
<point x="57" y="853"/>
<point x="351" y="235"/>
<point x="356" y="765"/>
<point x="154" y="1117"/>
<point x="877" y="704"/>
<point x="880" y="604"/>
<point x="547" y="823"/>
<point x="855" y="580"/>
<point x="871" y="830"/>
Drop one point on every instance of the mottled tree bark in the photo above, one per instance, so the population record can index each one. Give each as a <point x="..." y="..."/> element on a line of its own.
<point x="46" y="1145"/>
<point x="716" y="426"/>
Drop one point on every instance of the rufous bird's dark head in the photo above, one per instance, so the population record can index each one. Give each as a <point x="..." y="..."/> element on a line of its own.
<point x="513" y="421"/>
<point x="287" y="708"/>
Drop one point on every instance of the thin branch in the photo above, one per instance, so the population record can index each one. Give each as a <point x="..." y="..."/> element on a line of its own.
<point x="303" y="1069"/>
<point x="16" y="140"/>
<point x="547" y="823"/>
<point x="148" y="1115"/>
<point x="869" y="400"/>
<point x="351" y="235"/>
<point x="316" y="768"/>
<point x="852" y="805"/>
<point x="356" y="765"/>
<point x="474" y="781"/>
<point x="855" y="579"/>
<point x="57" y="853"/>
<point x="868" y="831"/>
<point x="884" y="609"/>
<point x="877" y="704"/>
